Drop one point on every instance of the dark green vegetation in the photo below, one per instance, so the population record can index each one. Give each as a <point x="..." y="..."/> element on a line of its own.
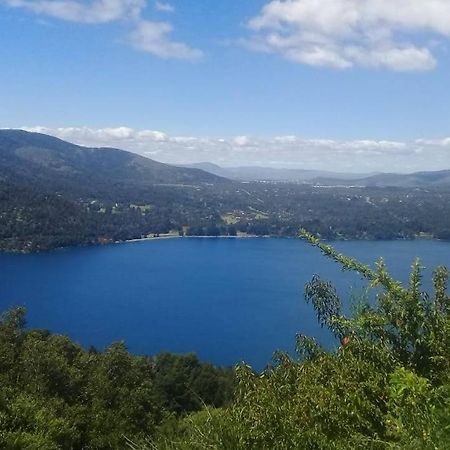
<point x="386" y="385"/>
<point x="50" y="164"/>
<point x="55" y="395"/>
<point x="54" y="194"/>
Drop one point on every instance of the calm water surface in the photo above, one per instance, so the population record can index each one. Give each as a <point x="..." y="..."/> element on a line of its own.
<point x="226" y="299"/>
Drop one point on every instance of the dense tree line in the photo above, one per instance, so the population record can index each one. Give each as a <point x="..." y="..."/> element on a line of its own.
<point x="31" y="220"/>
<point x="56" y="395"/>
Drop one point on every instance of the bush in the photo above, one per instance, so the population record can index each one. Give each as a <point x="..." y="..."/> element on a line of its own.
<point x="385" y="387"/>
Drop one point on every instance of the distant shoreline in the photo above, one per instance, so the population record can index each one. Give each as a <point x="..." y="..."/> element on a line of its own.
<point x="151" y="238"/>
<point x="175" y="236"/>
<point x="172" y="236"/>
<point x="254" y="236"/>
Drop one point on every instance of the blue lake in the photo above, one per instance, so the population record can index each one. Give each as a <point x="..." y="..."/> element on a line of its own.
<point x="225" y="299"/>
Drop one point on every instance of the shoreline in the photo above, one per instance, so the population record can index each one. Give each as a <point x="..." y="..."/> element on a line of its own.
<point x="173" y="236"/>
<point x="156" y="238"/>
<point x="152" y="238"/>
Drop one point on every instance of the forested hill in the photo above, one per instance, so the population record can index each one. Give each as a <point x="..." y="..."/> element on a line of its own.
<point x="53" y="194"/>
<point x="53" y="165"/>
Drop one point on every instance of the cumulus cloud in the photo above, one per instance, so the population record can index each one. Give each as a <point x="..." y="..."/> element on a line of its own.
<point x="438" y="142"/>
<point x="103" y="137"/>
<point x="241" y="141"/>
<point x="164" y="7"/>
<point x="347" y="33"/>
<point x="148" y="36"/>
<point x="364" y="155"/>
<point x="96" y="11"/>
<point x="152" y="37"/>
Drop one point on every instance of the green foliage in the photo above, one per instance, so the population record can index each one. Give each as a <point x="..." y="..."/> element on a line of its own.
<point x="188" y="385"/>
<point x="56" y="395"/>
<point x="412" y="324"/>
<point x="386" y="387"/>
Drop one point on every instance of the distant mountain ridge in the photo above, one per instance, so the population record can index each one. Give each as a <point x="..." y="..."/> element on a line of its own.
<point x="52" y="164"/>
<point x="440" y="178"/>
<point x="256" y="173"/>
<point x="316" y="177"/>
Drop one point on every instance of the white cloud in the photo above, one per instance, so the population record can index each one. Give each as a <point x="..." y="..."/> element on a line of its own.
<point x="347" y="33"/>
<point x="153" y="37"/>
<point x="149" y="36"/>
<point x="439" y="142"/>
<point x="164" y="7"/>
<point x="363" y="155"/>
<point x="241" y="141"/>
<point x="285" y="139"/>
<point x="96" y="11"/>
<point x="102" y="136"/>
<point x="157" y="136"/>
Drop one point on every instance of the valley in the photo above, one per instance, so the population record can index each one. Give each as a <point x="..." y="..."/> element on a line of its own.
<point x="56" y="194"/>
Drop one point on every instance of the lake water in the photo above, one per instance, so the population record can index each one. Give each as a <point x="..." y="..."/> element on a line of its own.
<point x="225" y="299"/>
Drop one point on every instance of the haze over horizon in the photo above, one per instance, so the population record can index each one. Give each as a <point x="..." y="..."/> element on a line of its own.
<point x="347" y="86"/>
<point x="280" y="152"/>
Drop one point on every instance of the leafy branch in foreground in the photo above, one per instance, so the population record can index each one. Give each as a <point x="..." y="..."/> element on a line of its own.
<point x="412" y="324"/>
<point x="386" y="387"/>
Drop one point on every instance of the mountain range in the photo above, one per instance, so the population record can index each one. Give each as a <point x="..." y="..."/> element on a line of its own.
<point x="439" y="178"/>
<point x="54" y="193"/>
<point x="327" y="178"/>
<point x="54" y="165"/>
<point x="255" y="173"/>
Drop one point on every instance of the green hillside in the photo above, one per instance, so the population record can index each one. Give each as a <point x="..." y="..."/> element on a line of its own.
<point x="52" y="165"/>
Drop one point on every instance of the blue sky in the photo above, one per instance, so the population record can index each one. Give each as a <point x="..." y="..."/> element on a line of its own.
<point x="234" y="75"/>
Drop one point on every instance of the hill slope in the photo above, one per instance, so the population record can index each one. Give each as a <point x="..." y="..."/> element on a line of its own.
<point x="51" y="164"/>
